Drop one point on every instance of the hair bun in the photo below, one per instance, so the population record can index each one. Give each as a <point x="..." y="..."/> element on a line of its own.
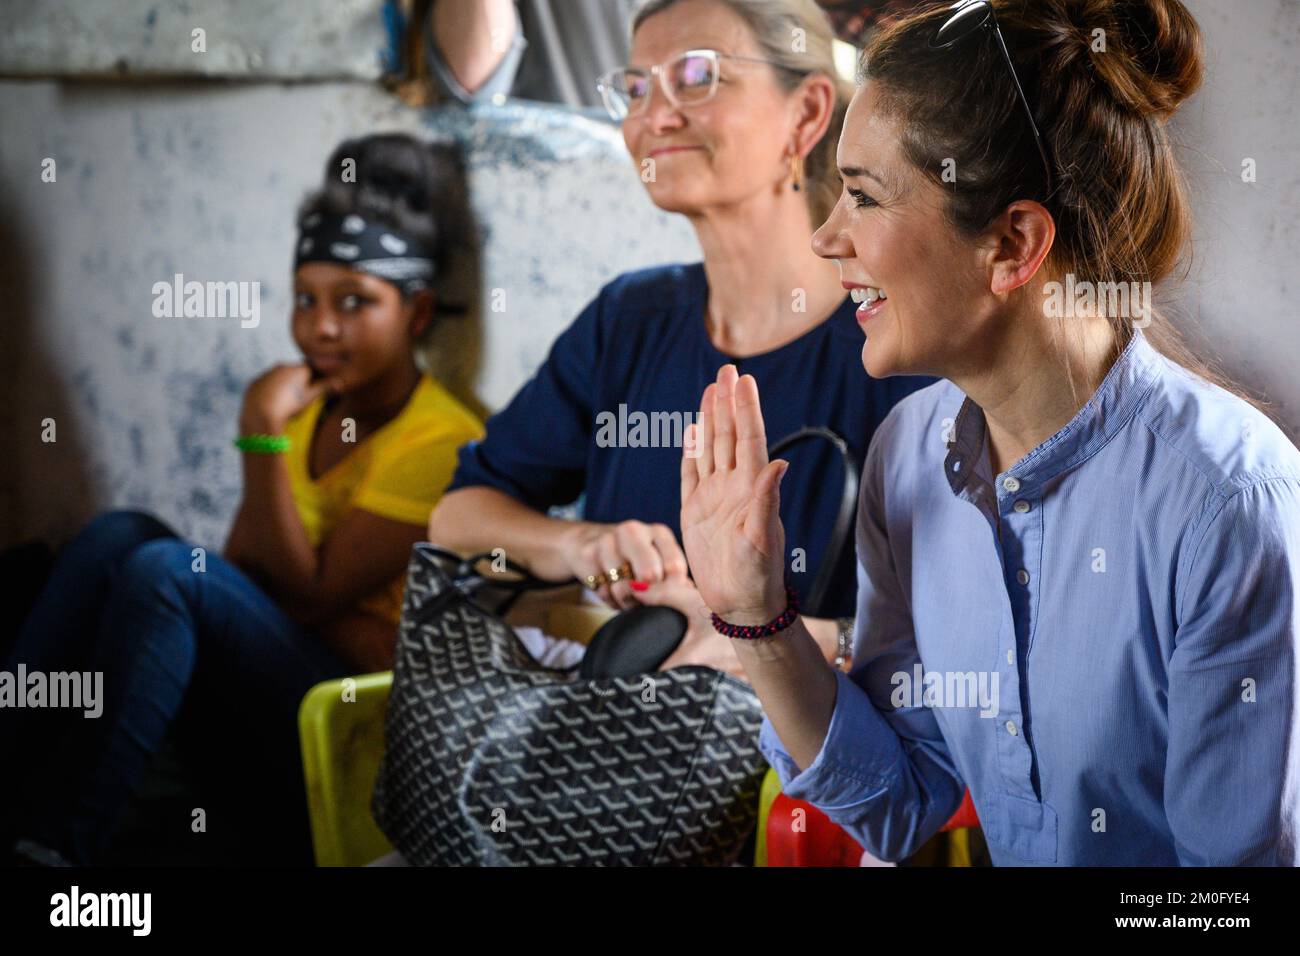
<point x="415" y="187"/>
<point x="395" y="169"/>
<point x="1152" y="61"/>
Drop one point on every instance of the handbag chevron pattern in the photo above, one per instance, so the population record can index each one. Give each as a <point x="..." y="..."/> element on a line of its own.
<point x="492" y="759"/>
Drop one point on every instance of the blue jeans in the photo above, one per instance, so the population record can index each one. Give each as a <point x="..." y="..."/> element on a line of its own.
<point x="206" y="651"/>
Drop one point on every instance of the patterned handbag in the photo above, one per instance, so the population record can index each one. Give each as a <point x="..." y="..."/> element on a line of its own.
<point x="492" y="759"/>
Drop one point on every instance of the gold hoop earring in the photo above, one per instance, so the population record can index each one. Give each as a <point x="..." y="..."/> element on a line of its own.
<point x="796" y="172"/>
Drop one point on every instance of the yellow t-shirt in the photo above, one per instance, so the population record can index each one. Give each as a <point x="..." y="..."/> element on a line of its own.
<point x="399" y="472"/>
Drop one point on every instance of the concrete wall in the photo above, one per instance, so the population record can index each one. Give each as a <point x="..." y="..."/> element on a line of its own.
<point x="201" y="177"/>
<point x="248" y="39"/>
<point x="1242" y="295"/>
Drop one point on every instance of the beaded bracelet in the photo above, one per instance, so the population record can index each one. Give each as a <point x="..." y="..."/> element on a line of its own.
<point x="751" y="631"/>
<point x="263" y="444"/>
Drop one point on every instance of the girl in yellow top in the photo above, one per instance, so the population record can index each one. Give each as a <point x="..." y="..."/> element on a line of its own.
<point x="344" y="456"/>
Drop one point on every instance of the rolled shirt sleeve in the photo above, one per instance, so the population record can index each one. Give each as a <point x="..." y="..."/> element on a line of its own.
<point x="884" y="774"/>
<point x="1234" y="726"/>
<point x="501" y="81"/>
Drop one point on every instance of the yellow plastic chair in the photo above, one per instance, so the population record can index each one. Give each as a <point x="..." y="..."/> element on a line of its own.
<point x="341" y="725"/>
<point x="766" y="796"/>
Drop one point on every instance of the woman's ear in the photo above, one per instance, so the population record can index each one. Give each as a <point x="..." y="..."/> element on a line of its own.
<point x="1022" y="238"/>
<point x="421" y="306"/>
<point x="815" y="104"/>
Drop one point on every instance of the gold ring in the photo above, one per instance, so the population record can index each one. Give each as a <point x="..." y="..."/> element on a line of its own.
<point x="594" y="581"/>
<point x="620" y="573"/>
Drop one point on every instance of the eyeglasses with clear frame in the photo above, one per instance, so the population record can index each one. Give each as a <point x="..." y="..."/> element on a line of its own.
<point x="688" y="79"/>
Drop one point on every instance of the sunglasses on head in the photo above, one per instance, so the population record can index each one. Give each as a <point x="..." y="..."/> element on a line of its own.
<point x="968" y="17"/>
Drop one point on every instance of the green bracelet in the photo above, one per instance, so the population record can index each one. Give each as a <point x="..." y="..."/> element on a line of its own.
<point x="263" y="444"/>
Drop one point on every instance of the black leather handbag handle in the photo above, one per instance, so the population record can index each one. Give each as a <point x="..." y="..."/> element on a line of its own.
<point x="468" y="579"/>
<point x="844" y="517"/>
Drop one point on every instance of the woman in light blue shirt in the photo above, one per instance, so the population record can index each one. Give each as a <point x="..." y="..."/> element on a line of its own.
<point x="1079" y="557"/>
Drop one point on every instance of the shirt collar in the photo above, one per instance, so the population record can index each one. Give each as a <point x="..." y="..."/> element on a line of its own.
<point x="1120" y="394"/>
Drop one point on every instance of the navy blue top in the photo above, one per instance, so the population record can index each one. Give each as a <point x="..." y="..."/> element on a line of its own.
<point x="642" y="344"/>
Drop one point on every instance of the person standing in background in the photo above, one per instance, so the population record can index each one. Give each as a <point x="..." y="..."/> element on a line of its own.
<point x="474" y="51"/>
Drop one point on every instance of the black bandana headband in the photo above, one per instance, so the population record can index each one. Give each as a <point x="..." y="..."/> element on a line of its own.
<point x="353" y="242"/>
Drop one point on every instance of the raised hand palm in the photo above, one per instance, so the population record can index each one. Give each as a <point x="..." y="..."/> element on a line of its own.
<point x="731" y="525"/>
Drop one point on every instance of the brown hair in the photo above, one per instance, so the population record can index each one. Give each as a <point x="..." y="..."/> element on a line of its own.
<point x="773" y="24"/>
<point x="1102" y="78"/>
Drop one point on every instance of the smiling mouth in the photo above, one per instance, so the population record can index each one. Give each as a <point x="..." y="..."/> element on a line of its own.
<point x="671" y="149"/>
<point x="869" y="294"/>
<point x="870" y="304"/>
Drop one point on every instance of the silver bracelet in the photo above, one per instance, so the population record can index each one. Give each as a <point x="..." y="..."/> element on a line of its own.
<point x="843" y="643"/>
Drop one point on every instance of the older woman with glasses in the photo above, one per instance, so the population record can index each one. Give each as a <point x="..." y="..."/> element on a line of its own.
<point x="729" y="109"/>
<point x="1079" y="557"/>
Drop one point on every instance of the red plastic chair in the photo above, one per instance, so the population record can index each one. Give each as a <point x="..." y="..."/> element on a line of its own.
<point x="823" y="843"/>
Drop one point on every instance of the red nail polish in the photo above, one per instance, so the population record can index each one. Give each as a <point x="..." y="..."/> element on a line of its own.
<point x="638" y="585"/>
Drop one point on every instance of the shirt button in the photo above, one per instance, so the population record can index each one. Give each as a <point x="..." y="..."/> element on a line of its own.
<point x="1021" y="506"/>
<point x="1011" y="484"/>
<point x="1011" y="656"/>
<point x="1022" y="576"/>
<point x="1011" y="727"/>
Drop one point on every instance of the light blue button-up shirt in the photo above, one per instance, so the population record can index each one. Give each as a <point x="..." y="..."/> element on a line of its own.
<point x="1101" y="642"/>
